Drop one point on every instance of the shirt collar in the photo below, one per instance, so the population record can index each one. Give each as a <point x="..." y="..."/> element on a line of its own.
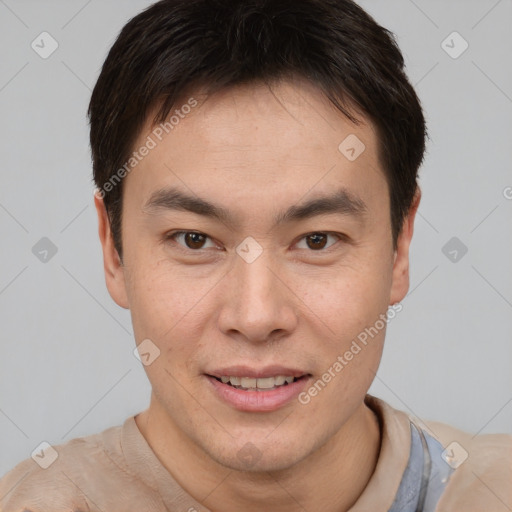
<point x="378" y="494"/>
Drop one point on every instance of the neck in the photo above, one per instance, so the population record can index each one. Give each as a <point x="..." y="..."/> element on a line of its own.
<point x="330" y="479"/>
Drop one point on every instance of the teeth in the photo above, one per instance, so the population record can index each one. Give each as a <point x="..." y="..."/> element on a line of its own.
<point x="247" y="382"/>
<point x="267" y="383"/>
<point x="254" y="384"/>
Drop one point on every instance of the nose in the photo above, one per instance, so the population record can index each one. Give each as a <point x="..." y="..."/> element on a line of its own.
<point x="258" y="305"/>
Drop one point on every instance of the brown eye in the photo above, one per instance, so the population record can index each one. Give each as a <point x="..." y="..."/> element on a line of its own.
<point x="319" y="241"/>
<point x="194" y="240"/>
<point x="316" y="241"/>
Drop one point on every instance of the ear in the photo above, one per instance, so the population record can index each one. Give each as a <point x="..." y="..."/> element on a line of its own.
<point x="400" y="279"/>
<point x="112" y="265"/>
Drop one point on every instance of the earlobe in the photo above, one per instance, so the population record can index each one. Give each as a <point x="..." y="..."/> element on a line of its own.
<point x="112" y="265"/>
<point x="400" y="280"/>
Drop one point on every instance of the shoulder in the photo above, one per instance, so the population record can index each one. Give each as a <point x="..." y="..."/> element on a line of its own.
<point x="67" y="476"/>
<point x="482" y="469"/>
<point x="29" y="487"/>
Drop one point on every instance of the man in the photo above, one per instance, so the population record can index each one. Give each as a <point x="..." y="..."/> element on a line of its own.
<point x="256" y="164"/>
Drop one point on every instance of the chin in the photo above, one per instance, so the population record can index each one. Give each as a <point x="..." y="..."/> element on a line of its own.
<point x="256" y="454"/>
<point x="257" y="461"/>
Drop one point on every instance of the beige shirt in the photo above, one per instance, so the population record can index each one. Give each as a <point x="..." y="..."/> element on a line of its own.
<point x="116" y="471"/>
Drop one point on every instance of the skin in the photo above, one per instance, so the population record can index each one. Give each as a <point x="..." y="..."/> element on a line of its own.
<point x="256" y="152"/>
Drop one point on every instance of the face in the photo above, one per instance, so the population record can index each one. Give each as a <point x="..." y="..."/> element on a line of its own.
<point x="255" y="249"/>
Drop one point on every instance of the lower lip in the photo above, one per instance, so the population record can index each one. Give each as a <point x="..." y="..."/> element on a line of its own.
<point x="258" y="401"/>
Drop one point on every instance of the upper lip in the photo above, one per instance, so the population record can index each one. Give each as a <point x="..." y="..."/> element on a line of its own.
<point x="257" y="373"/>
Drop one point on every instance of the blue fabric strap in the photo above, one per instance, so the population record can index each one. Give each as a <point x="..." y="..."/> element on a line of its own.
<point x="425" y="476"/>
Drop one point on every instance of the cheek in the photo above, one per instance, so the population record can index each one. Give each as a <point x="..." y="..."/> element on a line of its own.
<point x="349" y="327"/>
<point x="165" y="305"/>
<point x="170" y="314"/>
<point x="349" y="298"/>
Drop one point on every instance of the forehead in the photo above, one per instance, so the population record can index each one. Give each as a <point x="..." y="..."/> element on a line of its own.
<point x="254" y="143"/>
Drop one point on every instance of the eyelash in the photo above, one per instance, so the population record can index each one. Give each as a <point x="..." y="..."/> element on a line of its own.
<point x="175" y="234"/>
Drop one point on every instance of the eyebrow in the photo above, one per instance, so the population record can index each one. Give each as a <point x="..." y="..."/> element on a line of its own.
<point x="341" y="202"/>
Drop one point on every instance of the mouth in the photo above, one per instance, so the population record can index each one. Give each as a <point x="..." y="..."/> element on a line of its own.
<point x="258" y="384"/>
<point x="257" y="390"/>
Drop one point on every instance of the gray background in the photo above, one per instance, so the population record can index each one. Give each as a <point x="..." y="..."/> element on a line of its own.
<point x="67" y="367"/>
